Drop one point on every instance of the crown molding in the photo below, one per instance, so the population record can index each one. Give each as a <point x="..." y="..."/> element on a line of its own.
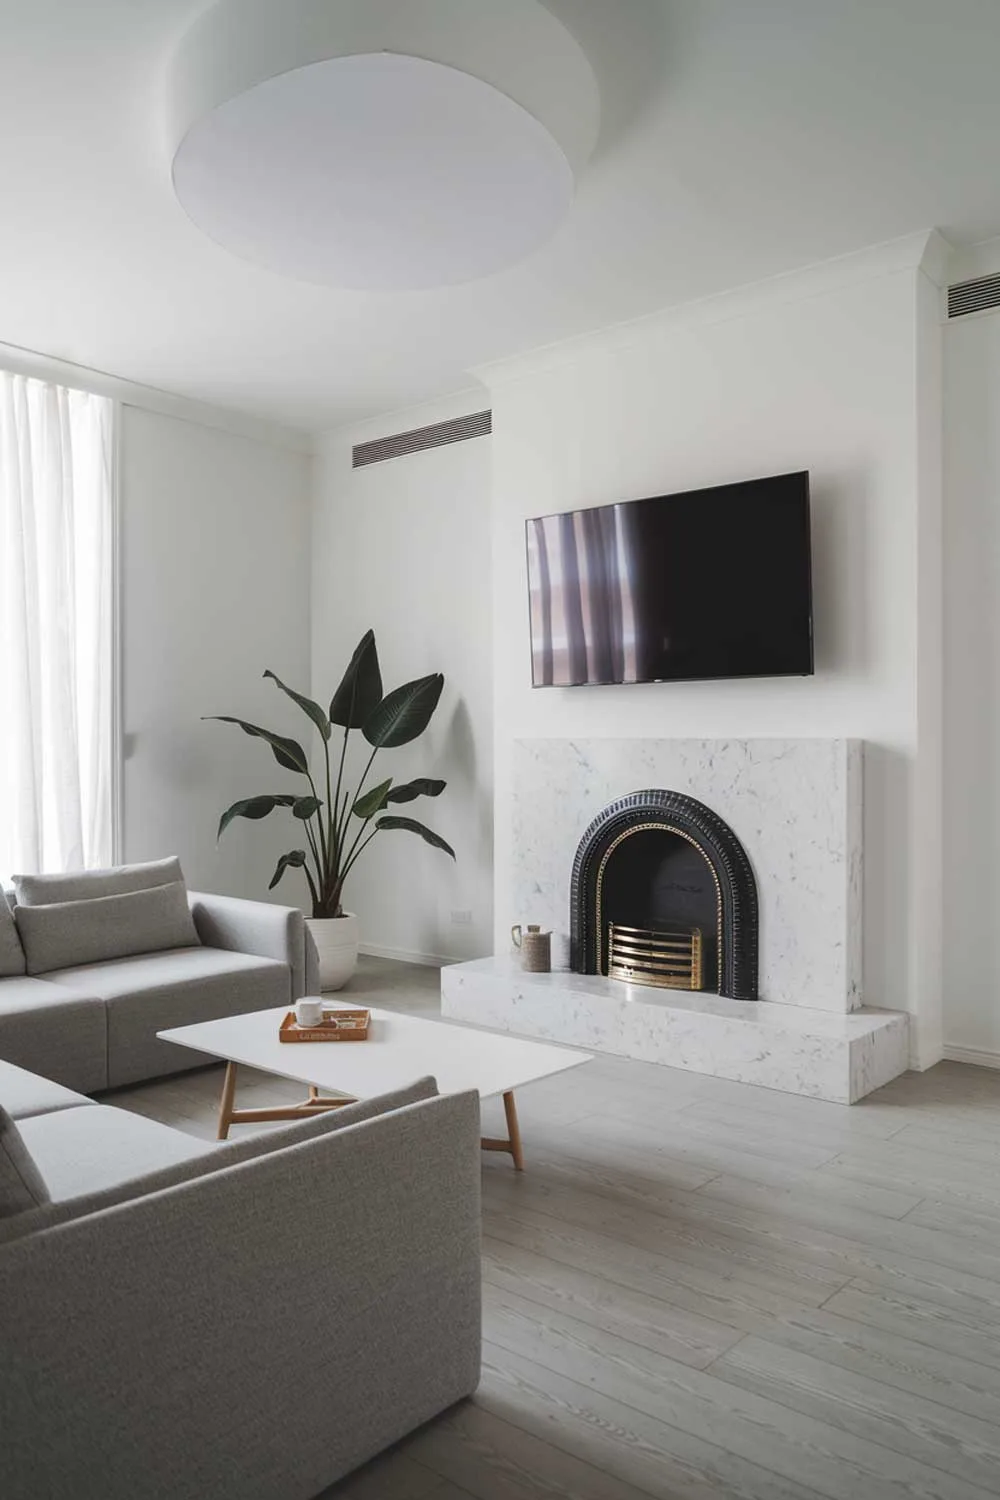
<point x="923" y="251"/>
<point x="40" y="366"/>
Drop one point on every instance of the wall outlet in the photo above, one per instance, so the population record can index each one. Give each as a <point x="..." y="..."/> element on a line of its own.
<point x="461" y="918"/>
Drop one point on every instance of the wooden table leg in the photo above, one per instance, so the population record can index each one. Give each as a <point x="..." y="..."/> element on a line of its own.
<point x="511" y="1146"/>
<point x="513" y="1130"/>
<point x="226" y="1104"/>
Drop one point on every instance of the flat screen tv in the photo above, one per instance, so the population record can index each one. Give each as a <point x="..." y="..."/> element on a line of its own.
<point x="708" y="583"/>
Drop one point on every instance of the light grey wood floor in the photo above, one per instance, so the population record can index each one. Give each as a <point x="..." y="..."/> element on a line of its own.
<point x="699" y="1288"/>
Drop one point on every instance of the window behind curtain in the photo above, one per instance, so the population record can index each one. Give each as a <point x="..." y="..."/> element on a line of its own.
<point x="57" y="637"/>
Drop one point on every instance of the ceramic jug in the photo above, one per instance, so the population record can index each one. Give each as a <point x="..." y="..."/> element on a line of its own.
<point x="535" y="947"/>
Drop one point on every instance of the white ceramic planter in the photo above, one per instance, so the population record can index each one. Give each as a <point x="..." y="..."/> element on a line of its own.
<point x="336" y="940"/>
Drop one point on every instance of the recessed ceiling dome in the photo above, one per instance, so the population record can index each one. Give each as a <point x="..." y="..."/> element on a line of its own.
<point x="380" y="144"/>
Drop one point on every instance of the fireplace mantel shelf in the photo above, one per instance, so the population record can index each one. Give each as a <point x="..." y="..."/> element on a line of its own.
<point x="840" y="1057"/>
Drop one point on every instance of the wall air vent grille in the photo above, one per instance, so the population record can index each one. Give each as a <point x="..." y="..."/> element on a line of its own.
<point x="458" y="430"/>
<point x="977" y="295"/>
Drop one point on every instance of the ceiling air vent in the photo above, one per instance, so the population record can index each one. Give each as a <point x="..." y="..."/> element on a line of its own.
<point x="977" y="295"/>
<point x="458" y="430"/>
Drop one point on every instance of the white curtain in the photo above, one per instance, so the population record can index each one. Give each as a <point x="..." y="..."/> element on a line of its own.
<point x="57" y="667"/>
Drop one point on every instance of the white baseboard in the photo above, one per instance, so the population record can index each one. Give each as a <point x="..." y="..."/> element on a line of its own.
<point x="980" y="1057"/>
<point x="405" y="956"/>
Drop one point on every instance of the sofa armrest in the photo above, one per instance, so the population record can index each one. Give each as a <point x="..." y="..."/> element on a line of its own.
<point x="254" y="927"/>
<point x="263" y="1329"/>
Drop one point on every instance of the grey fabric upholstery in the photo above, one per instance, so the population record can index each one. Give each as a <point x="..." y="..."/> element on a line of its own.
<point x="59" y="1031"/>
<point x="67" y="934"/>
<point x="151" y="993"/>
<point x="11" y="952"/>
<point x="268" y="1326"/>
<point x="86" y="1150"/>
<point x="22" y="1186"/>
<point x="82" y="885"/>
<point x="216" y="1155"/>
<point x="23" y="1094"/>
<point x="257" y="927"/>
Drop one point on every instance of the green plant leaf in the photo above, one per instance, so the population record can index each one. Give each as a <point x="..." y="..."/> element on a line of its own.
<point x="423" y="786"/>
<point x="253" y="807"/>
<point x="360" y="691"/>
<point x="404" y="713"/>
<point x="288" y="753"/>
<point x="295" y="860"/>
<point x="373" y="801"/>
<point x="412" y="826"/>
<point x="304" y="807"/>
<point x="307" y="705"/>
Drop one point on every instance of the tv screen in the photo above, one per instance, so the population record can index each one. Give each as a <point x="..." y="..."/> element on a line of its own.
<point x="709" y="583"/>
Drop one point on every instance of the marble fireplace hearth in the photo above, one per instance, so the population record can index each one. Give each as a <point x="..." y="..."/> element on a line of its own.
<point x="782" y="819"/>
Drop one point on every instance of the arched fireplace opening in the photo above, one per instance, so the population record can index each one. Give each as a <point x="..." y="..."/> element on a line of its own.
<point x="663" y="894"/>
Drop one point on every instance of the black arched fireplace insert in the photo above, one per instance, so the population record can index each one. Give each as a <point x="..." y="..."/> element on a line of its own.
<point x="663" y="894"/>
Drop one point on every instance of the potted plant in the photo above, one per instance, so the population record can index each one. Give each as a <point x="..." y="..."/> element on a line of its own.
<point x="339" y="820"/>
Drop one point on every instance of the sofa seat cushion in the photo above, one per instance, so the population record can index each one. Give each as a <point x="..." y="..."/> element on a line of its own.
<point x="159" y="990"/>
<point x="23" y="1093"/>
<point x="87" y="1150"/>
<point x="58" y="1031"/>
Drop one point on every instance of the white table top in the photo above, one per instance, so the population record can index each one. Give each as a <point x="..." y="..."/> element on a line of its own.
<point x="398" y="1050"/>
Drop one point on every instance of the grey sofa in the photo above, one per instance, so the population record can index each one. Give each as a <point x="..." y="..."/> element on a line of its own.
<point x="182" y="1320"/>
<point x="92" y="1025"/>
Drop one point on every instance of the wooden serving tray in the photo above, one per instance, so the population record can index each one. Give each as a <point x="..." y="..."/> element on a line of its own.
<point x="339" y="1026"/>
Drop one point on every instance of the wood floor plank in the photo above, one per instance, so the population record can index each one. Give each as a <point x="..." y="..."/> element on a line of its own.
<point x="972" y="1224"/>
<point x="939" y="1436"/>
<point x="936" y="1174"/>
<point x="481" y="1453"/>
<point x="684" y="1336"/>
<point x="630" y="1445"/>
<point x="684" y="1160"/>
<point x="924" y="1322"/>
<point x="694" y="1237"/>
<point x="801" y="1448"/>
<point x="793" y="1192"/>
<point x="722" y="1296"/>
<point x="392" y="1476"/>
<point x="868" y="1350"/>
<point x="762" y="1110"/>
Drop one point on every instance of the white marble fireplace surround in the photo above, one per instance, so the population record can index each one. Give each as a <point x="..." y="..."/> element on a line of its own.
<point x="795" y="805"/>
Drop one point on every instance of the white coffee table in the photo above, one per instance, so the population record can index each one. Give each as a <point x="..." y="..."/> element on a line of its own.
<point x="398" y="1050"/>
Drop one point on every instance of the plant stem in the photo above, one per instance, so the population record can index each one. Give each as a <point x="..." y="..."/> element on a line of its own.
<point x="354" y="857"/>
<point x="335" y="808"/>
<point x="364" y="825"/>
<point x="331" y="833"/>
<point x="320" y="862"/>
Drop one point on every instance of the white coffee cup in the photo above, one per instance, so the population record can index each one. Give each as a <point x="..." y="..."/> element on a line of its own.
<point x="309" y="1012"/>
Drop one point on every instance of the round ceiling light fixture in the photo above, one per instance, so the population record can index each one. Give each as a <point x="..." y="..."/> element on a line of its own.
<point x="380" y="144"/>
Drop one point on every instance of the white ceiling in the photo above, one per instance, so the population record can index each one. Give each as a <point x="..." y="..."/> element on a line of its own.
<point x="740" y="139"/>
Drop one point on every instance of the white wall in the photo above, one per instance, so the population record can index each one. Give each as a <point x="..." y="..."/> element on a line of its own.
<point x="404" y="547"/>
<point x="215" y="576"/>
<point x="972" y="683"/>
<point x="821" y="372"/>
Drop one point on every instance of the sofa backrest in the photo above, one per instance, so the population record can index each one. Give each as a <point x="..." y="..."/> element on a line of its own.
<point x="84" y="885"/>
<point x="11" y="952"/>
<point x="91" y="916"/>
<point x="42" y="1215"/>
<point x="21" y="1184"/>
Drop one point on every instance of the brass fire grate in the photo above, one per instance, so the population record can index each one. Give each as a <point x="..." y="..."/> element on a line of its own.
<point x="671" y="960"/>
